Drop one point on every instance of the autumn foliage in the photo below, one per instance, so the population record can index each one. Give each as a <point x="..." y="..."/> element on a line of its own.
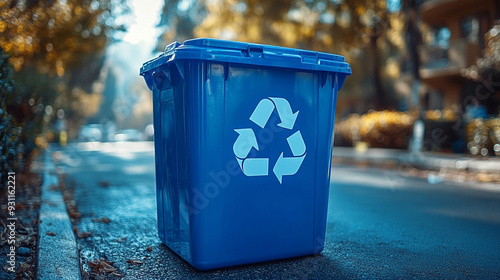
<point x="56" y="49"/>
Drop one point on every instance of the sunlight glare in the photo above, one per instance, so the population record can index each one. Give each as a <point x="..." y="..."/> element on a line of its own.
<point x="146" y="17"/>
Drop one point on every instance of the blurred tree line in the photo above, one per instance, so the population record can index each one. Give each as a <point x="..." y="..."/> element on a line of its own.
<point x="55" y="50"/>
<point x="52" y="51"/>
<point x="379" y="38"/>
<point x="489" y="64"/>
<point x="370" y="34"/>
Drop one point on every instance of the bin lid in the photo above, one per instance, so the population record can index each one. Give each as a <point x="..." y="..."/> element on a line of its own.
<point x="249" y="53"/>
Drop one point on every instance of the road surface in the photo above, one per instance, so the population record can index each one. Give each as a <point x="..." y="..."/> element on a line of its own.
<point x="381" y="223"/>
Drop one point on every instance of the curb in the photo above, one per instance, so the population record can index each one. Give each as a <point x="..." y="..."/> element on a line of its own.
<point x="426" y="161"/>
<point x="57" y="254"/>
<point x="436" y="163"/>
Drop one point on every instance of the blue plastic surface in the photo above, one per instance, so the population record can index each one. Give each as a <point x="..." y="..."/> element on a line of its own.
<point x="243" y="142"/>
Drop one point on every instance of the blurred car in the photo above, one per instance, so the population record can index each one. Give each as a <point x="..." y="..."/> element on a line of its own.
<point x="90" y="133"/>
<point x="129" y="135"/>
<point x="150" y="132"/>
<point x="108" y="131"/>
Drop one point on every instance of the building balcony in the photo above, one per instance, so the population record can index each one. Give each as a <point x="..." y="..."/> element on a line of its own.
<point x="434" y="11"/>
<point x="439" y="62"/>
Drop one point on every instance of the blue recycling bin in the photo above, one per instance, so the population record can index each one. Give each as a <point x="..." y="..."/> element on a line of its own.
<point x="243" y="145"/>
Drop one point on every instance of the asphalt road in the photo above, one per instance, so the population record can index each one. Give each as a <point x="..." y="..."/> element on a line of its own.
<point x="381" y="223"/>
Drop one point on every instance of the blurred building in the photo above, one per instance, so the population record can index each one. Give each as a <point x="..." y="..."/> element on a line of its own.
<point x="455" y="41"/>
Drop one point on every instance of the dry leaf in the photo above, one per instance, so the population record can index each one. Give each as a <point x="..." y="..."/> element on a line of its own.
<point x="103" y="267"/>
<point x="121" y="239"/>
<point x="20" y="206"/>
<point x="92" y="264"/>
<point x="484" y="177"/>
<point x="102" y="220"/>
<point x="50" y="233"/>
<point x="149" y="248"/>
<point x="84" y="234"/>
<point x="104" y="184"/>
<point x="23" y="268"/>
<point x="75" y="215"/>
<point x="135" y="262"/>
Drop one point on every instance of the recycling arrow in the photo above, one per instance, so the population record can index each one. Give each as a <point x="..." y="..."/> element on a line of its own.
<point x="296" y="143"/>
<point x="285" y="112"/>
<point x="254" y="166"/>
<point x="290" y="165"/>
<point x="265" y="108"/>
<point x="262" y="112"/>
<point x="242" y="147"/>
<point x="246" y="140"/>
<point x="287" y="166"/>
<point x="284" y="166"/>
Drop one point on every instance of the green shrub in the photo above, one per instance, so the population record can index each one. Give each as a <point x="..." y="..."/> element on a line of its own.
<point x="12" y="147"/>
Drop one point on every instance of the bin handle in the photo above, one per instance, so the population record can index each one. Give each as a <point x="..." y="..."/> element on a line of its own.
<point x="255" y="51"/>
<point x="172" y="46"/>
<point x="309" y="57"/>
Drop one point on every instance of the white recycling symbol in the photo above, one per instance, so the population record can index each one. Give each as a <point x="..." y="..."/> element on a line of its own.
<point x="284" y="166"/>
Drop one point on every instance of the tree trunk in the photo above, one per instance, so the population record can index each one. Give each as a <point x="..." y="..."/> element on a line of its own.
<point x="379" y="97"/>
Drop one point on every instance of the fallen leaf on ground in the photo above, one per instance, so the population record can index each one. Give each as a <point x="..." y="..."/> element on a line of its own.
<point x="50" y="233"/>
<point x="103" y="267"/>
<point x="101" y="220"/>
<point x="135" y="262"/>
<point x="104" y="184"/>
<point x="20" y="206"/>
<point x="6" y="267"/>
<point x="84" y="234"/>
<point x="484" y="177"/>
<point x="23" y="230"/>
<point x="121" y="239"/>
<point x="75" y="215"/>
<point x="149" y="248"/>
<point x="23" y="268"/>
